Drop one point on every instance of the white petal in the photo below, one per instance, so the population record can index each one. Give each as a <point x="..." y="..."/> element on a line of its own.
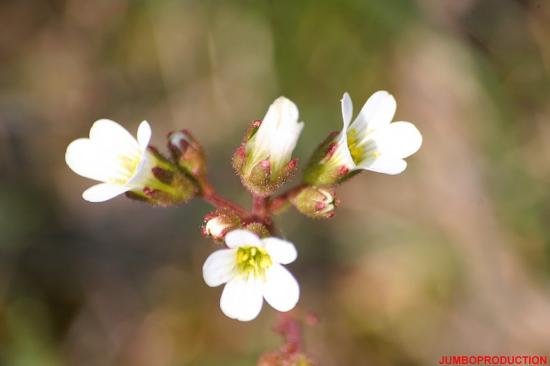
<point x="280" y="112"/>
<point x="280" y="251"/>
<point x="242" y="299"/>
<point x="347" y="109"/>
<point x="110" y="134"/>
<point x="103" y="192"/>
<point x="342" y="155"/>
<point x="144" y="170"/>
<point x="399" y="139"/>
<point x="85" y="159"/>
<point x="281" y="289"/>
<point x="384" y="164"/>
<point x="219" y="267"/>
<point x="239" y="238"/>
<point x="144" y="134"/>
<point x="278" y="134"/>
<point x="377" y="112"/>
<point x="283" y="142"/>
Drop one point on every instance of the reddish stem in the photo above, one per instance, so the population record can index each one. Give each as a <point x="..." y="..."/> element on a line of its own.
<point x="280" y="202"/>
<point x="209" y="195"/>
<point x="220" y="202"/>
<point x="259" y="207"/>
<point x="289" y="327"/>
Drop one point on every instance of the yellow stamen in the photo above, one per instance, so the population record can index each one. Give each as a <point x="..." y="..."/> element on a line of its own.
<point x="360" y="147"/>
<point x="253" y="260"/>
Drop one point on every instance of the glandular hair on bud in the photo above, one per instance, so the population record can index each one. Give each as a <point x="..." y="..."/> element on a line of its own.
<point x="258" y="228"/>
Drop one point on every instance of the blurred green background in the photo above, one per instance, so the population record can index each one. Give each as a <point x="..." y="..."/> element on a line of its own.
<point x="451" y="257"/>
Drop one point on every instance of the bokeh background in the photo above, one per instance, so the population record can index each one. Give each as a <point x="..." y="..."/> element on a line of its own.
<point x="451" y="257"/>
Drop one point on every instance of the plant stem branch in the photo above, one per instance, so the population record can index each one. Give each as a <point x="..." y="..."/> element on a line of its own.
<point x="209" y="195"/>
<point x="289" y="327"/>
<point x="259" y="207"/>
<point x="279" y="203"/>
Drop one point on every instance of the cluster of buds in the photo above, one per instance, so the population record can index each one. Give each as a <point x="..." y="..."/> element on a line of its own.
<point x="252" y="266"/>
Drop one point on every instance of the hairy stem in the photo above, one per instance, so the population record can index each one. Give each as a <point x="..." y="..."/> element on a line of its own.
<point x="259" y="207"/>
<point x="279" y="203"/>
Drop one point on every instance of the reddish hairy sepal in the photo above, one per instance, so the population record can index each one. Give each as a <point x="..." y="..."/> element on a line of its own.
<point x="261" y="181"/>
<point x="252" y="129"/>
<point x="167" y="184"/>
<point x="258" y="228"/>
<point x="320" y="170"/>
<point x="239" y="158"/>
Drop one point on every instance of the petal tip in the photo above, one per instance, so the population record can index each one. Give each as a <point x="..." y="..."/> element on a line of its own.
<point x="144" y="134"/>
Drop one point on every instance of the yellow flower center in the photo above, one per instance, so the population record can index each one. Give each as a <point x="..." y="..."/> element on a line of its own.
<point x="356" y="151"/>
<point x="127" y="165"/>
<point x="360" y="148"/>
<point x="253" y="260"/>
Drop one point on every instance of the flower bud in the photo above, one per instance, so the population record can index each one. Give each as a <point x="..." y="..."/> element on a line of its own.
<point x="258" y="228"/>
<point x="187" y="152"/>
<point x="264" y="160"/>
<point x="316" y="202"/>
<point x="218" y="223"/>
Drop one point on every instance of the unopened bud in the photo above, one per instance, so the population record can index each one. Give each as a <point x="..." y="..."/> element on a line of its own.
<point x="264" y="160"/>
<point x="316" y="202"/>
<point x="187" y="152"/>
<point x="258" y="228"/>
<point x="218" y="223"/>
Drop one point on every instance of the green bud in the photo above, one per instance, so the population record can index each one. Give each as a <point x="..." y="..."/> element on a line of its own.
<point x="316" y="202"/>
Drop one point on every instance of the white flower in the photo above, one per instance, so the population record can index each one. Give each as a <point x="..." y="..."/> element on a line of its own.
<point x="276" y="137"/>
<point x="112" y="156"/>
<point x="372" y="142"/>
<point x="252" y="270"/>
